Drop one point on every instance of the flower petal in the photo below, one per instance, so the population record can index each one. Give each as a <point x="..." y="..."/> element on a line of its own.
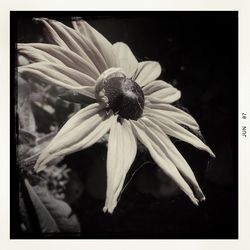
<point x="175" y="130"/>
<point x="60" y="75"/>
<point x="174" y="155"/>
<point x="122" y="149"/>
<point x="158" y="151"/>
<point x="125" y="58"/>
<point x="84" y="129"/>
<point x="38" y="52"/>
<point x="147" y="72"/>
<point x="70" y="39"/>
<point x="53" y="36"/>
<point x="160" y="91"/>
<point x="174" y="114"/>
<point x="100" y="42"/>
<point x="36" y="56"/>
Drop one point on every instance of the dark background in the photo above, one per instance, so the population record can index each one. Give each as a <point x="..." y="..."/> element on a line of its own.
<point x="198" y="52"/>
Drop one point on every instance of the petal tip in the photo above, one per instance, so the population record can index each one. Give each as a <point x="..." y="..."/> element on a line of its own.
<point x="77" y="19"/>
<point x="108" y="210"/>
<point x="120" y="44"/>
<point x="211" y="153"/>
<point x="203" y="199"/>
<point x="194" y="200"/>
<point x="38" y="168"/>
<point x="39" y="19"/>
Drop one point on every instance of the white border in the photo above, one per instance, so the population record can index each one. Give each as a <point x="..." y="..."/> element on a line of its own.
<point x="244" y="106"/>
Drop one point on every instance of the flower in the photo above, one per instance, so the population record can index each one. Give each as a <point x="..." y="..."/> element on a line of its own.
<point x="128" y="102"/>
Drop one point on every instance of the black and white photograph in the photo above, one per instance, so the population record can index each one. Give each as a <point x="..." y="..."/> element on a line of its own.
<point x="125" y="125"/>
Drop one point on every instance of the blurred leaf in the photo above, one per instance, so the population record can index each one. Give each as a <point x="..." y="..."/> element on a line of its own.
<point x="25" y="112"/>
<point x="24" y="151"/>
<point x="53" y="215"/>
<point x="26" y="138"/>
<point x="47" y="223"/>
<point x="47" y="108"/>
<point x="24" y="215"/>
<point x="28" y="153"/>
<point x="73" y="96"/>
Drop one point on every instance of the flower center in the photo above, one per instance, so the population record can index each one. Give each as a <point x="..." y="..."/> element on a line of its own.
<point x="121" y="94"/>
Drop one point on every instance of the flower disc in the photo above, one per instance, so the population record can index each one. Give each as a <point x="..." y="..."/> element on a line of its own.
<point x="125" y="97"/>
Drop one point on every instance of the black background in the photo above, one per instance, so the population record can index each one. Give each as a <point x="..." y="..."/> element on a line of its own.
<point x="198" y="52"/>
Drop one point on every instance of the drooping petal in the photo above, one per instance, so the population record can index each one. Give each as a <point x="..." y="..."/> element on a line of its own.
<point x="175" y="130"/>
<point x="147" y="72"/>
<point x="38" y="52"/>
<point x="160" y="91"/>
<point x="70" y="39"/>
<point x="60" y="75"/>
<point x="36" y="56"/>
<point x="125" y="58"/>
<point x="174" y="155"/>
<point x="100" y="42"/>
<point x="77" y="119"/>
<point x="53" y="36"/>
<point x="122" y="149"/>
<point x="84" y="129"/>
<point x="174" y="114"/>
<point x="158" y="151"/>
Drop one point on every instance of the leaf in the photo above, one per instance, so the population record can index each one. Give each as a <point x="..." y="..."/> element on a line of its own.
<point x="26" y="138"/>
<point x="25" y="219"/>
<point x="23" y="152"/>
<point x="53" y="215"/>
<point x="75" y="97"/>
<point x="25" y="112"/>
<point x="47" y="223"/>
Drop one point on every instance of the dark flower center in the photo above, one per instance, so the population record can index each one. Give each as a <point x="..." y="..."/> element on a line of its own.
<point x="125" y="97"/>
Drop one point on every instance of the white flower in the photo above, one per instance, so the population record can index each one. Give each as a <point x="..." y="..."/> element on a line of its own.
<point x="128" y="102"/>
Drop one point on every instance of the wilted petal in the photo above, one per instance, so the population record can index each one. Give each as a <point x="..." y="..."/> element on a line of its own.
<point x="81" y="131"/>
<point x="60" y="75"/>
<point x="100" y="42"/>
<point x="174" y="155"/>
<point x="160" y="91"/>
<point x="175" y="130"/>
<point x="147" y="72"/>
<point x="158" y="151"/>
<point x="38" y="52"/>
<point x="125" y="58"/>
<point x="172" y="113"/>
<point x="122" y="149"/>
<point x="71" y="39"/>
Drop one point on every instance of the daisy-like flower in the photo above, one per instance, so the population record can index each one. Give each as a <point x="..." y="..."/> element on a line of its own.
<point x="128" y="102"/>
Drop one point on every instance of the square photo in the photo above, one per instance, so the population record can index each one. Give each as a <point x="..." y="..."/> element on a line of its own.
<point x="124" y="125"/>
